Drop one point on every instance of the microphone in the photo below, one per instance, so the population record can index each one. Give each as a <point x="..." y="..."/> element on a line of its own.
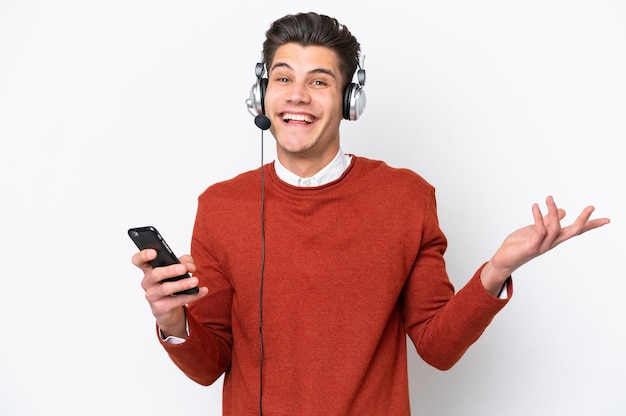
<point x="262" y="122"/>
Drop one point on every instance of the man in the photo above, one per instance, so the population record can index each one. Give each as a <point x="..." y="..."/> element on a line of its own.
<point x="306" y="309"/>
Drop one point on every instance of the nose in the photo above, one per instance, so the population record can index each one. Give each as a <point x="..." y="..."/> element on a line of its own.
<point x="298" y="92"/>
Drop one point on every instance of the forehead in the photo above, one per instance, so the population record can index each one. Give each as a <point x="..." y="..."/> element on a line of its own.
<point x="306" y="58"/>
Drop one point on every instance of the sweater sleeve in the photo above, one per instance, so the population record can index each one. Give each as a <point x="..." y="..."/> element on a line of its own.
<point x="442" y="324"/>
<point x="202" y="357"/>
<point x="207" y="351"/>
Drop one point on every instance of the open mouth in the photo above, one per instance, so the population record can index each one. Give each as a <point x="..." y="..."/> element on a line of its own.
<point x="297" y="118"/>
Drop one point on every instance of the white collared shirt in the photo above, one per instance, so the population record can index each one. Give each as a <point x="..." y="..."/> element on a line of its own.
<point x="329" y="173"/>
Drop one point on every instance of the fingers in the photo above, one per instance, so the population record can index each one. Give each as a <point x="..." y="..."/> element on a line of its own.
<point x="584" y="224"/>
<point x="549" y="232"/>
<point x="556" y="234"/>
<point x="153" y="278"/>
<point x="162" y="296"/>
<point x="141" y="258"/>
<point x="553" y="223"/>
<point x="595" y="223"/>
<point x="156" y="276"/>
<point x="188" y="261"/>
<point x="156" y="288"/>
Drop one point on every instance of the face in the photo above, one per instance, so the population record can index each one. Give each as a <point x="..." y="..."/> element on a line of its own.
<point x="303" y="100"/>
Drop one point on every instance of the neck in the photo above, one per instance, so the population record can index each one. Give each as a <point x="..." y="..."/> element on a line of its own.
<point x="304" y="166"/>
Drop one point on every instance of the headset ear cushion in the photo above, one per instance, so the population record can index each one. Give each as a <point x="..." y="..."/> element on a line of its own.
<point x="353" y="101"/>
<point x="347" y="98"/>
<point x="262" y="89"/>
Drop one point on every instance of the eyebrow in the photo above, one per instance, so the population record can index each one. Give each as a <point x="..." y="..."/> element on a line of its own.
<point x="313" y="71"/>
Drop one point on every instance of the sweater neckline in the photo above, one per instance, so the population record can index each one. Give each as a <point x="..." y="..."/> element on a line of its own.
<point x="279" y="183"/>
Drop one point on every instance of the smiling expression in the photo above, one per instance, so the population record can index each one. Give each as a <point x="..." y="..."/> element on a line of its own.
<point x="304" y="103"/>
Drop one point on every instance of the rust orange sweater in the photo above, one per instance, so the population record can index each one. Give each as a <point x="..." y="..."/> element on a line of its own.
<point x="351" y="267"/>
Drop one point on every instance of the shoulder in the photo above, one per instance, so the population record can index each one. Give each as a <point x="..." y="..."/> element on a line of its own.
<point x="240" y="186"/>
<point x="379" y="172"/>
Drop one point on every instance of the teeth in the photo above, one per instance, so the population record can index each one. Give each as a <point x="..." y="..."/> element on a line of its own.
<point x="298" y="117"/>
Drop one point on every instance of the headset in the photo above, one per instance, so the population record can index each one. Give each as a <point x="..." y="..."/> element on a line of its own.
<point x="353" y="95"/>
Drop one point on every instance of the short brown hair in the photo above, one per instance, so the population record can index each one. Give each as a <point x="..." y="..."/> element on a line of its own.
<point x="312" y="29"/>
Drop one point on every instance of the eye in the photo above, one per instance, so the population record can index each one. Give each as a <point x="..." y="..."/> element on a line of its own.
<point x="318" y="82"/>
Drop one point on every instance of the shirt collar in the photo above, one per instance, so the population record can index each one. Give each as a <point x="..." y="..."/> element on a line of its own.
<point x="328" y="173"/>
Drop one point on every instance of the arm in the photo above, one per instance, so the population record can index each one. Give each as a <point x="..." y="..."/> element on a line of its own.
<point x="443" y="325"/>
<point x="202" y="355"/>
<point x="534" y="240"/>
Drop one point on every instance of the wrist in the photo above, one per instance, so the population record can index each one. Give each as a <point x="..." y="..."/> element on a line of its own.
<point x="174" y="326"/>
<point x="493" y="278"/>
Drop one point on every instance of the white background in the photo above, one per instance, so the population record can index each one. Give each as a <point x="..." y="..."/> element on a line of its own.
<point x="117" y="114"/>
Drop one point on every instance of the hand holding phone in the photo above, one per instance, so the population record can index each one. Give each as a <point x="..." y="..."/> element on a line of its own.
<point x="149" y="237"/>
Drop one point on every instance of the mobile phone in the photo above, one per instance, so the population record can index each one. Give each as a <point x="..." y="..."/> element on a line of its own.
<point x="149" y="237"/>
